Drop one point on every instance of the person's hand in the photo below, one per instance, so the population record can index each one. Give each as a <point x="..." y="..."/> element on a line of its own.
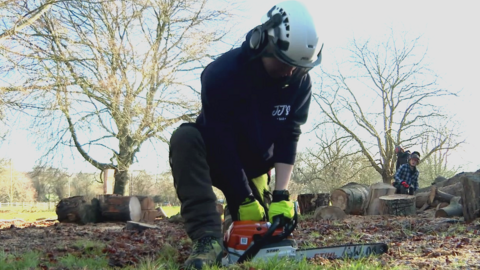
<point x="251" y="209"/>
<point x="281" y="206"/>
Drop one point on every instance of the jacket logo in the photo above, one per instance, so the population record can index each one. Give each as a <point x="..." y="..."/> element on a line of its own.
<point x="281" y="110"/>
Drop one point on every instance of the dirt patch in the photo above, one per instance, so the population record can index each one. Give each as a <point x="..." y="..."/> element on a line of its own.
<point x="421" y="242"/>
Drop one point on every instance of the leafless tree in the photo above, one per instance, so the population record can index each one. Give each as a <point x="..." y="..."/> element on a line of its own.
<point x="330" y="163"/>
<point x="113" y="75"/>
<point x="385" y="100"/>
<point x="436" y="163"/>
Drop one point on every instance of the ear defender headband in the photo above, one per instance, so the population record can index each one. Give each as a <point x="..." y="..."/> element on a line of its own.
<point x="258" y="39"/>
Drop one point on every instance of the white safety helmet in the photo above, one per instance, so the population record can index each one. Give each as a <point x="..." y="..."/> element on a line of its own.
<point x="292" y="35"/>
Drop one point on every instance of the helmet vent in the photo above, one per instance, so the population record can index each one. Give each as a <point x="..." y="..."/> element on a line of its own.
<point x="310" y="46"/>
<point x="287" y="27"/>
<point x="286" y="20"/>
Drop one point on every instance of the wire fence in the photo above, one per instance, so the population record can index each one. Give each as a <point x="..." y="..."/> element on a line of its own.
<point x="33" y="206"/>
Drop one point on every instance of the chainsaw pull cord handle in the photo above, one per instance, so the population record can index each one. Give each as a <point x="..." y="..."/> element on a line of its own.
<point x="267" y="238"/>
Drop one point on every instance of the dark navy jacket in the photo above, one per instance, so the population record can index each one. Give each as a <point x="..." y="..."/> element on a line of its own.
<point x="245" y="112"/>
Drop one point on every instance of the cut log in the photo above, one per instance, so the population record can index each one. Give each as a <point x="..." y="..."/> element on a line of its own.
<point x="138" y="226"/>
<point x="120" y="208"/>
<point x="351" y="198"/>
<point x="439" y="194"/>
<point x="78" y="209"/>
<point x="398" y="205"/>
<point x="149" y="216"/>
<point x="161" y="213"/>
<point x="376" y="191"/>
<point x="309" y="202"/>
<point x="329" y="213"/>
<point x="471" y="196"/>
<point x="454" y="209"/>
<point x="146" y="203"/>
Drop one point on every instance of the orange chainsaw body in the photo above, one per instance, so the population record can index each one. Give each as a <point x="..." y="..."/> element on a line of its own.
<point x="240" y="234"/>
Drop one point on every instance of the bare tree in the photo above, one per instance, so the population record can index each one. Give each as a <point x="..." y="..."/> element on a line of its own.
<point x="330" y="163"/>
<point x="436" y="163"/>
<point x="113" y="75"/>
<point x="385" y="101"/>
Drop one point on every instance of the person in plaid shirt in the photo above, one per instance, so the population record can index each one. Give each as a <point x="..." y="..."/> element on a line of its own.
<point x="406" y="177"/>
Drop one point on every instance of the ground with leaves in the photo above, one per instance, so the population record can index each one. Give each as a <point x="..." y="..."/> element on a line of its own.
<point x="421" y="242"/>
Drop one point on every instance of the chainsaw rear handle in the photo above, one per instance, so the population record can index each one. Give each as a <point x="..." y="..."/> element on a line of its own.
<point x="268" y="237"/>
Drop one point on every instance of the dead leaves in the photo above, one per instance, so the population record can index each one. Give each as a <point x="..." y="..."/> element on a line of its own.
<point x="416" y="242"/>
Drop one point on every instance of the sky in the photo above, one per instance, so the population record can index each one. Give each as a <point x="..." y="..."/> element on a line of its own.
<point x="448" y="29"/>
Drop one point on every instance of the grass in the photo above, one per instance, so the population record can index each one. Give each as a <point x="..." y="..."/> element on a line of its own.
<point x="33" y="260"/>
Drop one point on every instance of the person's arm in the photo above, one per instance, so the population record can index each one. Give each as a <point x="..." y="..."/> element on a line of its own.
<point x="400" y="174"/>
<point x="285" y="147"/>
<point x="415" y="180"/>
<point x="282" y="175"/>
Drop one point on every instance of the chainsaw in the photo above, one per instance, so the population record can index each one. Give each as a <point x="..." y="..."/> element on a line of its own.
<point x="254" y="241"/>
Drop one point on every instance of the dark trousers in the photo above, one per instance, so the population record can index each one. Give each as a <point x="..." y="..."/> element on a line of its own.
<point x="191" y="174"/>
<point x="193" y="183"/>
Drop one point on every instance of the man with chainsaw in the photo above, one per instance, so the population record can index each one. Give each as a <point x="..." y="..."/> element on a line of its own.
<point x="406" y="177"/>
<point x="254" y="100"/>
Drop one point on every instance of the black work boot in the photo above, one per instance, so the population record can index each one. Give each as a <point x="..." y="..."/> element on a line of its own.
<point x="207" y="251"/>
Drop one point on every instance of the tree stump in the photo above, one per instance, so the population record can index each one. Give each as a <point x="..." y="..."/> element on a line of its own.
<point x="309" y="202"/>
<point x="471" y="196"/>
<point x="397" y="205"/>
<point x="454" y="209"/>
<point x="376" y="191"/>
<point x="351" y="198"/>
<point x="78" y="210"/>
<point x="120" y="208"/>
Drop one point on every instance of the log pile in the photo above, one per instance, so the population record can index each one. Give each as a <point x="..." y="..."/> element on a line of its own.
<point x="453" y="197"/>
<point x="457" y="196"/>
<point x="105" y="208"/>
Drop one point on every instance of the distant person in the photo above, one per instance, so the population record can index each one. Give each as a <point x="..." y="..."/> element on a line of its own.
<point x="402" y="156"/>
<point x="406" y="177"/>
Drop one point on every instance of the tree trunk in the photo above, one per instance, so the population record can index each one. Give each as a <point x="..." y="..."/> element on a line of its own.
<point x="121" y="179"/>
<point x="309" y="202"/>
<point x="78" y="210"/>
<point x="471" y="196"/>
<point x="120" y="208"/>
<point x="454" y="209"/>
<point x="351" y="198"/>
<point x="397" y="205"/>
<point x="377" y="190"/>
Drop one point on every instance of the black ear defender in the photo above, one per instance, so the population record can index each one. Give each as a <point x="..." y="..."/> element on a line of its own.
<point x="259" y="33"/>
